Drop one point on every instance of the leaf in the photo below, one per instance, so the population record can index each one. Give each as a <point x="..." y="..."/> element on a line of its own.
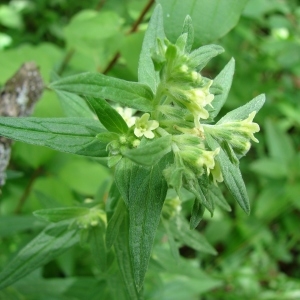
<point x="189" y="30"/>
<point x="215" y="194"/>
<point x="212" y="18"/>
<point x="98" y="247"/>
<point x="243" y="112"/>
<point x="55" y="215"/>
<point x="73" y="105"/>
<point x="11" y="225"/>
<point x="108" y="116"/>
<point x="51" y="242"/>
<point x="124" y="257"/>
<point x="150" y="153"/>
<point x="201" y="56"/>
<point x="73" y="135"/>
<point x="131" y="94"/>
<point x="146" y="71"/>
<point x="114" y="224"/>
<point x="197" y="213"/>
<point x="279" y="143"/>
<point x="231" y="174"/>
<point x="181" y="230"/>
<point x="144" y="191"/>
<point x="224" y="80"/>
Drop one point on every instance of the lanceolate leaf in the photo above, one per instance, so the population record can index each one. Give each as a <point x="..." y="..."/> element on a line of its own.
<point x="131" y="94"/>
<point x="224" y="80"/>
<point x="73" y="135"/>
<point x="51" y="242"/>
<point x="243" y="112"/>
<point x="152" y="152"/>
<point x="73" y="105"/>
<point x="55" y="215"/>
<point x="124" y="256"/>
<point x="108" y="116"/>
<point x="189" y="30"/>
<point x="231" y="174"/>
<point x="181" y="231"/>
<point x="144" y="191"/>
<point x="146" y="72"/>
<point x="201" y="56"/>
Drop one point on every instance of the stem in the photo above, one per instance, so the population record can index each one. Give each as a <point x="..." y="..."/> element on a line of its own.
<point x="66" y="61"/>
<point x="134" y="28"/>
<point x="27" y="191"/>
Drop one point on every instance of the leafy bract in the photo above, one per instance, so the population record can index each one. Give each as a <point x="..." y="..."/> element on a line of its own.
<point x="108" y="116"/>
<point x="72" y="135"/>
<point x="150" y="153"/>
<point x="189" y="30"/>
<point x="231" y="174"/>
<point x="51" y="242"/>
<point x="201" y="56"/>
<point x="144" y="191"/>
<point x="243" y="112"/>
<point x="223" y="80"/>
<point x="146" y="71"/>
<point x="131" y="94"/>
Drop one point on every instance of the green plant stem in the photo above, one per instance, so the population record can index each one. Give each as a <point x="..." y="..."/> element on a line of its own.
<point x="26" y="192"/>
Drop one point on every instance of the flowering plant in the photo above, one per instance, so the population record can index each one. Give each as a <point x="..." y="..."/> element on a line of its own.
<point x="161" y="142"/>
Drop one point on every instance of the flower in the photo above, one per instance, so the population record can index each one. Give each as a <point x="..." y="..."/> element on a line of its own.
<point x="216" y="173"/>
<point x="127" y="114"/>
<point x="145" y="127"/>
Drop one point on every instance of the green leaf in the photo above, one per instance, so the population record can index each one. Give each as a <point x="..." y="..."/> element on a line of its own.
<point x="215" y="194"/>
<point x="108" y="116"/>
<point x="131" y="94"/>
<point x="189" y="30"/>
<point x="11" y="225"/>
<point x="150" y="153"/>
<point x="212" y="18"/>
<point x="51" y="242"/>
<point x="180" y="229"/>
<point x="73" y="105"/>
<point x="55" y="215"/>
<point x="224" y="80"/>
<point x="124" y="256"/>
<point x="98" y="247"/>
<point x="73" y="135"/>
<point x="197" y="213"/>
<point x="144" y="191"/>
<point x="155" y="30"/>
<point x="243" y="112"/>
<point x="279" y="143"/>
<point x="114" y="224"/>
<point x="231" y="174"/>
<point x="201" y="56"/>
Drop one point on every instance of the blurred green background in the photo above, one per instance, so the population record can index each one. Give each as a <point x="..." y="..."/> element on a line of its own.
<point x="258" y="255"/>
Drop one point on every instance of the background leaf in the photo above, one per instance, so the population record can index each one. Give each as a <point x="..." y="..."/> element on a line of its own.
<point x="211" y="18"/>
<point x="51" y="242"/>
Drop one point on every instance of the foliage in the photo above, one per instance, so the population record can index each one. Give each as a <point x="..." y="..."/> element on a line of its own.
<point x="99" y="246"/>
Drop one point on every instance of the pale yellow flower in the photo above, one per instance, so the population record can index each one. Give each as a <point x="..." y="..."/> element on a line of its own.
<point x="144" y="127"/>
